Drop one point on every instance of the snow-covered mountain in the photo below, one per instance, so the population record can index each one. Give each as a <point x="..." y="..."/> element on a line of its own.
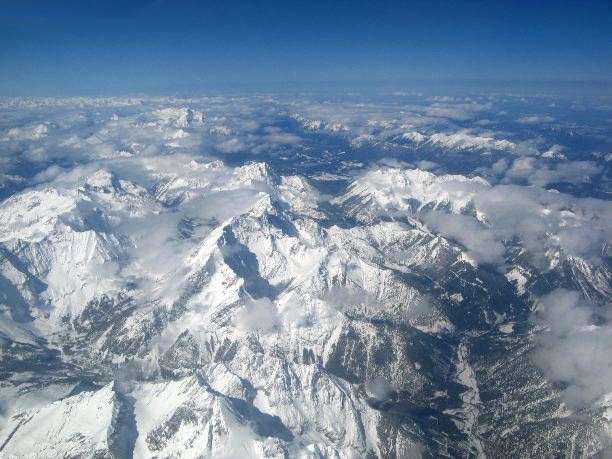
<point x="157" y="302"/>
<point x="222" y="311"/>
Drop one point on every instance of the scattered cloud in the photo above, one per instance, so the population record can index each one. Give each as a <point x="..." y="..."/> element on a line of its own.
<point x="535" y="173"/>
<point x="480" y="242"/>
<point x="573" y="347"/>
<point x="421" y="307"/>
<point x="380" y="389"/>
<point x="258" y="315"/>
<point x="464" y="140"/>
<point x="345" y="299"/>
<point x="426" y="165"/>
<point x="535" y="119"/>
<point x="484" y="217"/>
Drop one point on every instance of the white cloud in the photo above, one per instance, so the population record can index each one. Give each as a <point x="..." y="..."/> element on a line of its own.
<point x="426" y="165"/>
<point x="535" y="119"/>
<point x="537" y="173"/>
<point x="480" y="242"/>
<point x="574" y="349"/>
<point x="554" y="152"/>
<point x="464" y="140"/>
<point x="422" y="307"/>
<point x="458" y="112"/>
<point x="35" y="132"/>
<point x="345" y="298"/>
<point x="258" y="315"/>
<point x="542" y="221"/>
<point x="380" y="389"/>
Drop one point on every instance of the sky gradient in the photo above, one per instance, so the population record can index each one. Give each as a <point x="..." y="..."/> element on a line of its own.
<point x="97" y="47"/>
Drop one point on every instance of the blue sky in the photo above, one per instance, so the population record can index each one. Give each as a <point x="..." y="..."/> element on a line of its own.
<point x="84" y="47"/>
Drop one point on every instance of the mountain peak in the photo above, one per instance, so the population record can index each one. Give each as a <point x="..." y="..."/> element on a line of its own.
<point x="102" y="180"/>
<point x="180" y="117"/>
<point x="31" y="216"/>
